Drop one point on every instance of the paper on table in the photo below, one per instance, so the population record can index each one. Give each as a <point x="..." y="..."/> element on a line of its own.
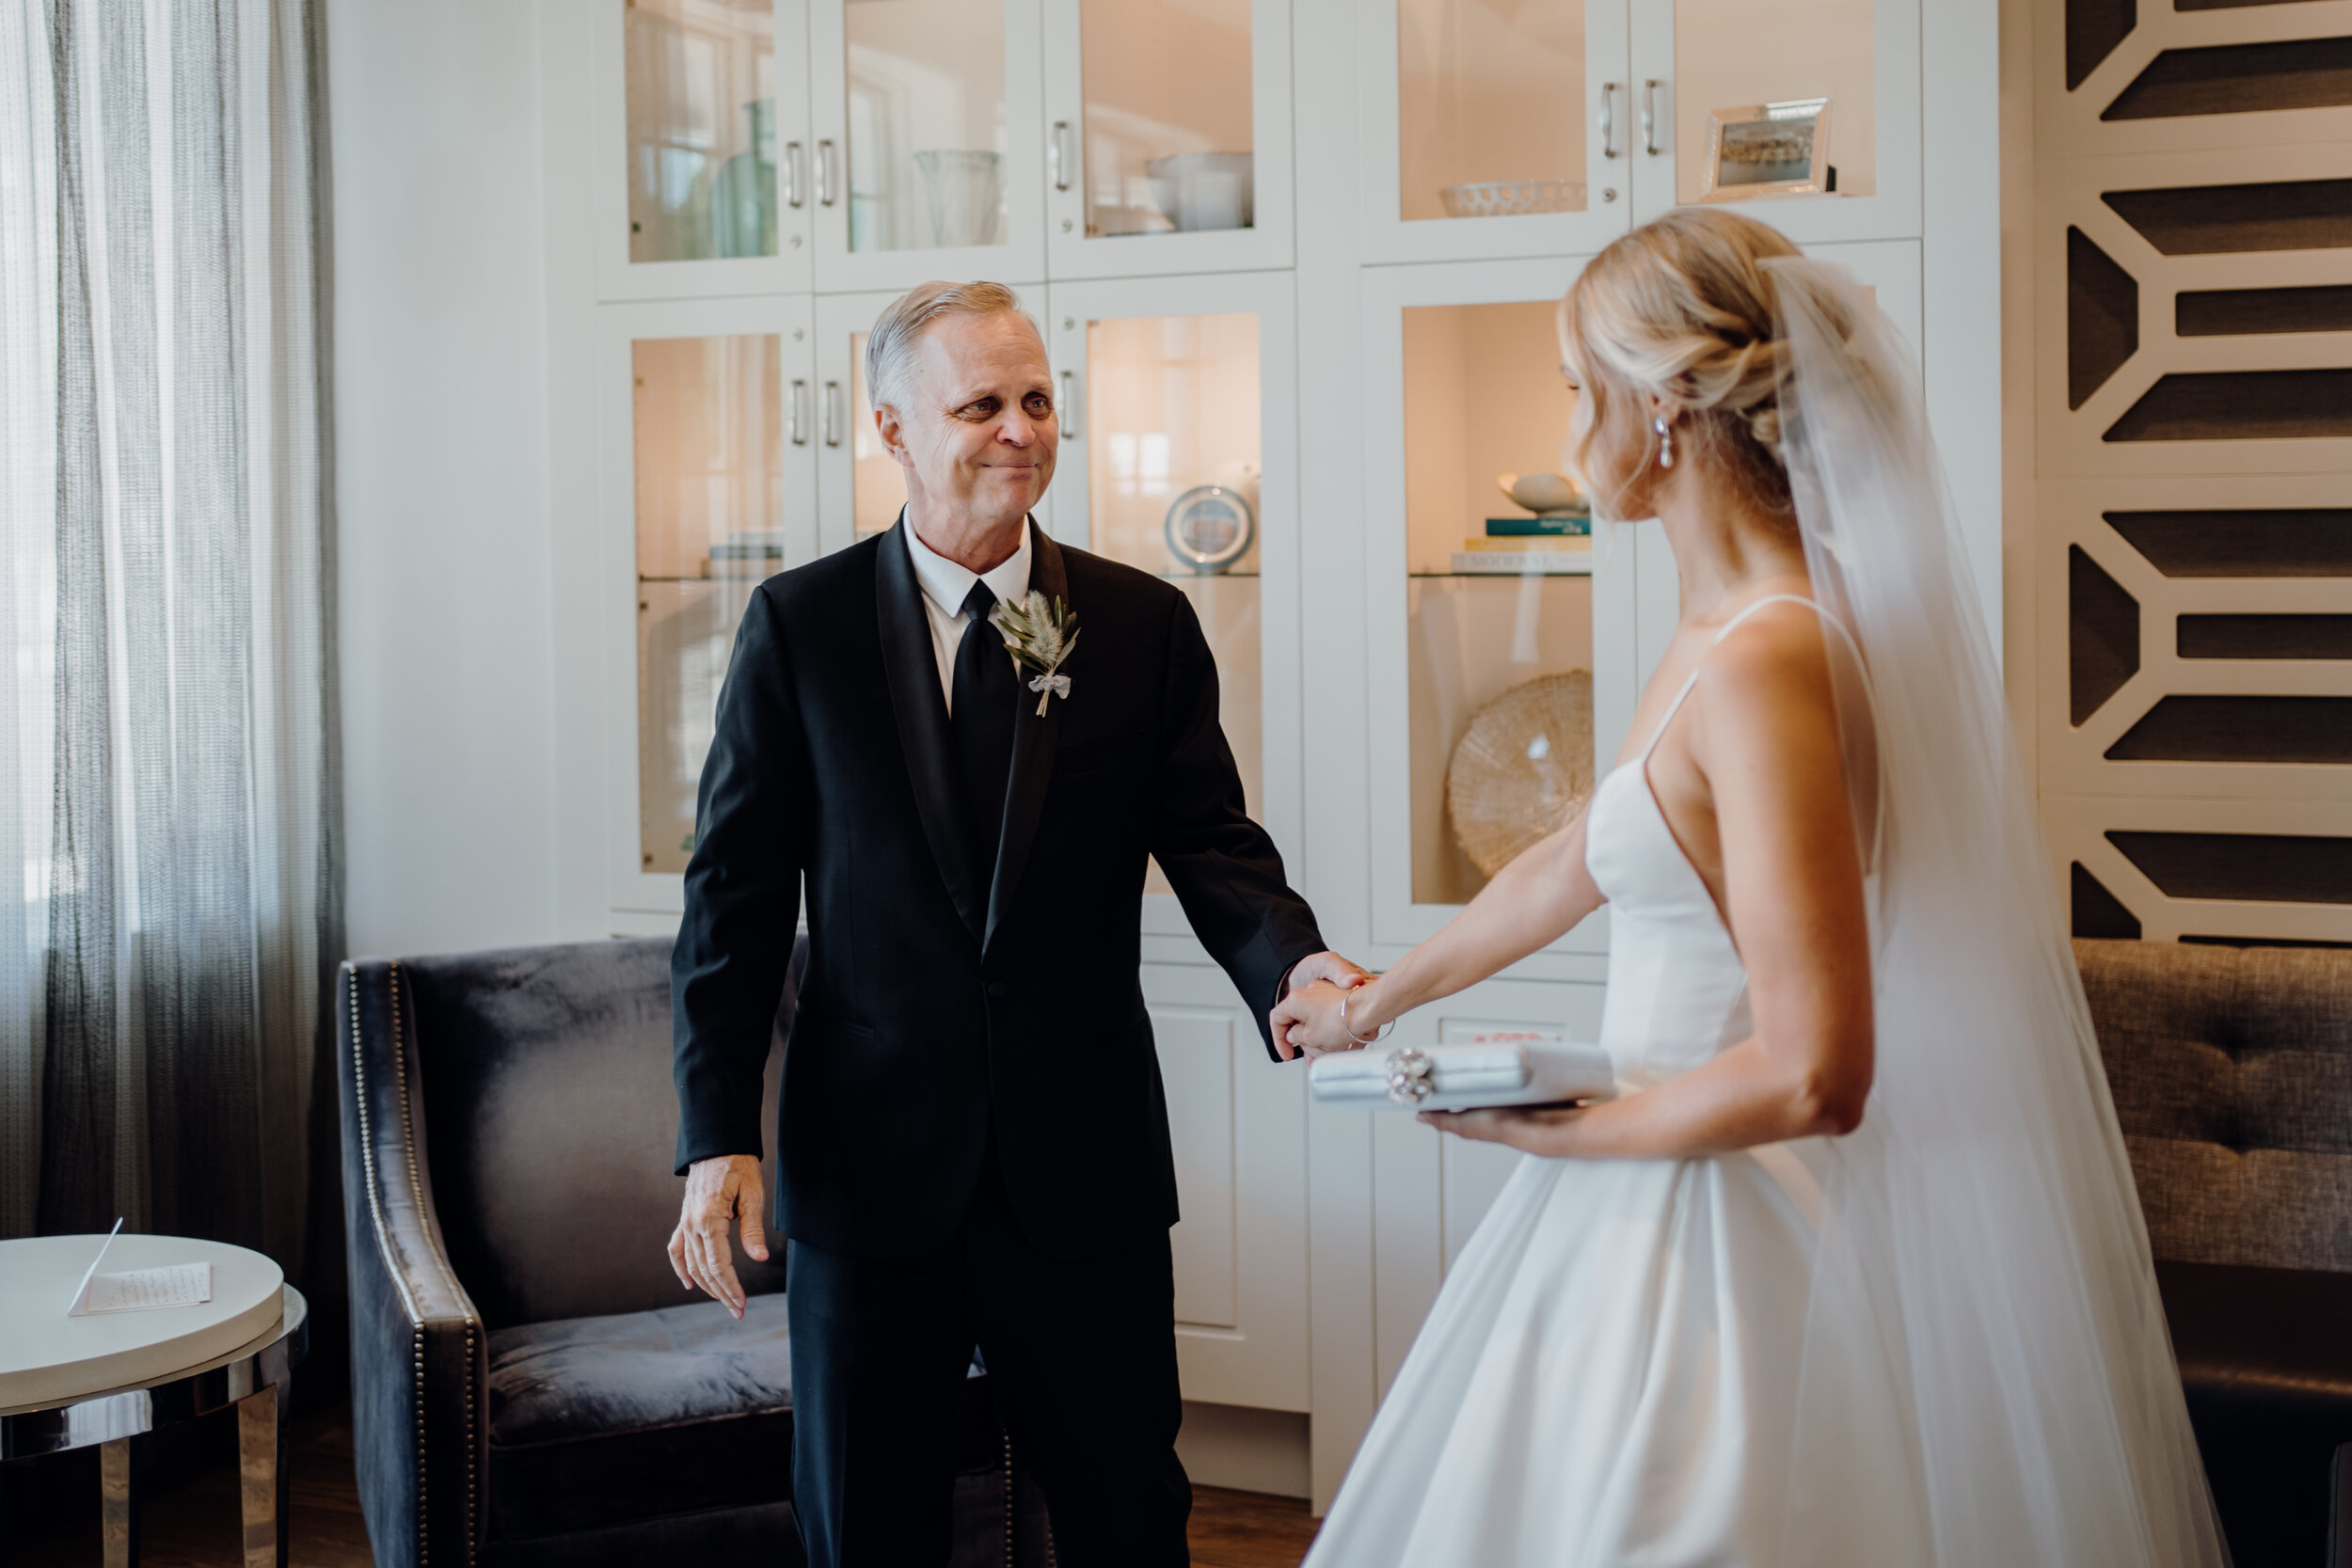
<point x="180" y="1285"/>
<point x="135" y="1290"/>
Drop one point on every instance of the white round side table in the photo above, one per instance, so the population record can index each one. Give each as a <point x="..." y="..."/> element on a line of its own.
<point x="106" y="1380"/>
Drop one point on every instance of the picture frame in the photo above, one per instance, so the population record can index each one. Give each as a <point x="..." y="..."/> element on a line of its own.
<point x="1757" y="150"/>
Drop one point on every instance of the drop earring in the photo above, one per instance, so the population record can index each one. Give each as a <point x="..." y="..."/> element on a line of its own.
<point x="1665" y="441"/>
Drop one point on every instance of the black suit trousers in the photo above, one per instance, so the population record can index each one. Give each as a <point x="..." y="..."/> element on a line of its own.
<point x="1081" y="1357"/>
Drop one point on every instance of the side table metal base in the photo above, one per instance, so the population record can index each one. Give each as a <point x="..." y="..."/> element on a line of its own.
<point x="257" y="1378"/>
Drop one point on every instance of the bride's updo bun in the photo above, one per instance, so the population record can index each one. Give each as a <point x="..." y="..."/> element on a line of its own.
<point x="1681" y="309"/>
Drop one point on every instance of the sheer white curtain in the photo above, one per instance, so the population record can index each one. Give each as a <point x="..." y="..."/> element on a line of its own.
<point x="169" y="799"/>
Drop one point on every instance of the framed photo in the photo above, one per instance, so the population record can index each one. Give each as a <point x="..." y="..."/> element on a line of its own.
<point x="1761" y="150"/>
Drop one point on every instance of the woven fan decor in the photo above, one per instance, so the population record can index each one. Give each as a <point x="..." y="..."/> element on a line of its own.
<point x="1523" y="768"/>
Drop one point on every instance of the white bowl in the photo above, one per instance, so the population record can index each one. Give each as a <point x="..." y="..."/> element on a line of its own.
<point x="1204" y="190"/>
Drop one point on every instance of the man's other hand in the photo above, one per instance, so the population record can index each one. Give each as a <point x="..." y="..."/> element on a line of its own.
<point x="721" y="1191"/>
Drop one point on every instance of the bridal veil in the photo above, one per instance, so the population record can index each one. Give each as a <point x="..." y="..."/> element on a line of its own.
<point x="1986" y="1370"/>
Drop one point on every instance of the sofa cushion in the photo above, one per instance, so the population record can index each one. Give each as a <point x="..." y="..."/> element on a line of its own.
<point x="596" y="1421"/>
<point x="2231" y="1070"/>
<point x="2265" y="1357"/>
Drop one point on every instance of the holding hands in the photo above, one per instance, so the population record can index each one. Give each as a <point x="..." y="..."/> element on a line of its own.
<point x="1314" y="1018"/>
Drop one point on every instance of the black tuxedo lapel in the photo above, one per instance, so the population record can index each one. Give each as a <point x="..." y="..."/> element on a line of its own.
<point x="1032" y="746"/>
<point x="932" y="762"/>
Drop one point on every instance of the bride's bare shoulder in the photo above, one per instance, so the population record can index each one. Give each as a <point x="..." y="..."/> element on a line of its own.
<point x="1774" y="665"/>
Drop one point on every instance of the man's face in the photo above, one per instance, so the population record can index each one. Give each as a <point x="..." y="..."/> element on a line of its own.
<point x="976" y="433"/>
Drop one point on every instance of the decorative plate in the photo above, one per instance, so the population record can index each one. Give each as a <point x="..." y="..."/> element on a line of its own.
<point x="1523" y="768"/>
<point x="1210" y="527"/>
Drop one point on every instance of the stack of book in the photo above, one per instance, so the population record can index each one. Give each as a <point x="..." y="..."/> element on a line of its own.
<point x="1514" y="547"/>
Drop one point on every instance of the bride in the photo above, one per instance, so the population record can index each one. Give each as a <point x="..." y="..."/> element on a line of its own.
<point x="1851" y="1270"/>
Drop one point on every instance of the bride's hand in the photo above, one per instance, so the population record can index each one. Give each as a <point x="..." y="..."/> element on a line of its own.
<point x="1309" y="1020"/>
<point x="1546" y="1130"/>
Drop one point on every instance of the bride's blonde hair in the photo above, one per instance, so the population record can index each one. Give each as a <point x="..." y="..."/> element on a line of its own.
<point x="1681" y="309"/>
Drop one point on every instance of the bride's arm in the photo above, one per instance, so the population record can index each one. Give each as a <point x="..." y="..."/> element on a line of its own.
<point x="1764" y="735"/>
<point x="1530" y="904"/>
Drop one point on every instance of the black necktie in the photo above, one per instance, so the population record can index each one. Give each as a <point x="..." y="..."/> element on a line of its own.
<point x="987" y="698"/>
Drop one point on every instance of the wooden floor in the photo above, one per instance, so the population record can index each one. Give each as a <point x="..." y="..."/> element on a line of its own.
<point x="191" y="1522"/>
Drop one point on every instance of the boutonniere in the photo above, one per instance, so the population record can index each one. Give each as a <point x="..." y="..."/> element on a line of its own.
<point x="1039" y="637"/>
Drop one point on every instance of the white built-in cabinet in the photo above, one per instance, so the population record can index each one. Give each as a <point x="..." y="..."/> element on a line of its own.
<point x="1232" y="221"/>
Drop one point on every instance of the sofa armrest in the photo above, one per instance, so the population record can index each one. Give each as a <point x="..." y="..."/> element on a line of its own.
<point x="2340" y="1510"/>
<point x="418" y="1351"/>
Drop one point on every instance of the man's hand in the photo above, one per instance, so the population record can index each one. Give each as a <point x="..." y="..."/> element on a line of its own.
<point x="720" y="1190"/>
<point x="1318" y="969"/>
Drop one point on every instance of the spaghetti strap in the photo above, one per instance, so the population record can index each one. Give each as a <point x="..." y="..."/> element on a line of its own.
<point x="1725" y="631"/>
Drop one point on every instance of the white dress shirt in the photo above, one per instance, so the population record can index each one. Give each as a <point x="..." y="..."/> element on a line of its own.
<point x="946" y="585"/>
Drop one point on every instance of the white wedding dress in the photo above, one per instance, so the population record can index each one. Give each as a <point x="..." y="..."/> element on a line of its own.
<point x="1610" y="1376"/>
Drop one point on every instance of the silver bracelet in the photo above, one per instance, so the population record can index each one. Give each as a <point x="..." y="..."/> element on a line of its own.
<point x="1377" y="1035"/>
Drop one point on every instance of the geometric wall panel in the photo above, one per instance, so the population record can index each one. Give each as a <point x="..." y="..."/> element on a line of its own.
<point x="2216" y="220"/>
<point x="2241" y="405"/>
<point x="2098" y="912"/>
<point x="2093" y="28"/>
<point x="2103" y="640"/>
<point x="2254" y="867"/>
<point x="2091" y="31"/>
<point x="2102" y="317"/>
<point x="2272" y="542"/>
<point x="2263" y="637"/>
<point x="2209" y="728"/>
<point x="2239" y="78"/>
<point x="2241" y="312"/>
<point x="2187" y="319"/>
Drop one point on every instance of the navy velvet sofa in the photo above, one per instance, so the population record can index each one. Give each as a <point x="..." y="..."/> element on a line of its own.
<point x="529" y="1385"/>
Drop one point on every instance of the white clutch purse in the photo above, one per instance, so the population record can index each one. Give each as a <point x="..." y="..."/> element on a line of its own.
<point x="1463" y="1077"/>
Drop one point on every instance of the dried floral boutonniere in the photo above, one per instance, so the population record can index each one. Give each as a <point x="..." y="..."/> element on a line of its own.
<point x="1039" y="637"/>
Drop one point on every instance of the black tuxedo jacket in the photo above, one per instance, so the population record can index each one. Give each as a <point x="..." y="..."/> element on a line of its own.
<point x="951" y="991"/>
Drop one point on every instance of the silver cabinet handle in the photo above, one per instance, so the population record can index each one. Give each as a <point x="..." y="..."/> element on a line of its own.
<point x="1058" y="156"/>
<point x="825" y="173"/>
<point x="1609" y="91"/>
<point x="1649" y="117"/>
<point x="1068" y="410"/>
<point x="834" y="418"/>
<point x="795" y="173"/>
<point x="800" y="413"/>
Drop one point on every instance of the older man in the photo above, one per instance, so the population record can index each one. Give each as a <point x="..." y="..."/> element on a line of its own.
<point x="975" y="1145"/>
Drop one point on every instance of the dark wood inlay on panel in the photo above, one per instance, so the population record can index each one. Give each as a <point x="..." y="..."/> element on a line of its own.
<point x="2098" y="912"/>
<point x="2264" y="636"/>
<point x="2102" y="317"/>
<point x="2233" y="313"/>
<point x="2211" y="220"/>
<point x="2258" y="942"/>
<point x="2093" y="28"/>
<point x="2206" y="727"/>
<point x="2282" y="543"/>
<point x="2240" y="405"/>
<point x="2224" y="6"/>
<point x="2239" y="78"/>
<point x="2102" y="634"/>
<point x="2266" y="868"/>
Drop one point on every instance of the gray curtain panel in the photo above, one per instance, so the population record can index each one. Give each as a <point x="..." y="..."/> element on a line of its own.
<point x="170" y="869"/>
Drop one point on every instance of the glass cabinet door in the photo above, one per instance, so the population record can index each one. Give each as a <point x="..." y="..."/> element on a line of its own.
<point x="705" y="103"/>
<point x="926" y="156"/>
<point x="1167" y="148"/>
<point x="1494" y="128"/>
<point x="1179" y="464"/>
<point x="710" y="456"/>
<point x="1506" y="635"/>
<point x="1777" y="109"/>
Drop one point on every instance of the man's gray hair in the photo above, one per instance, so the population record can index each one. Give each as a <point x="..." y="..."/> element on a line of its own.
<point x="890" y="346"/>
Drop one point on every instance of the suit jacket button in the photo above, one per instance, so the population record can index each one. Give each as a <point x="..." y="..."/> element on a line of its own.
<point x="999" y="990"/>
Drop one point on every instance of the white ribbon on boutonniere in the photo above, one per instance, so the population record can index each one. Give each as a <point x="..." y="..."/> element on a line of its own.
<point x="1039" y="637"/>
